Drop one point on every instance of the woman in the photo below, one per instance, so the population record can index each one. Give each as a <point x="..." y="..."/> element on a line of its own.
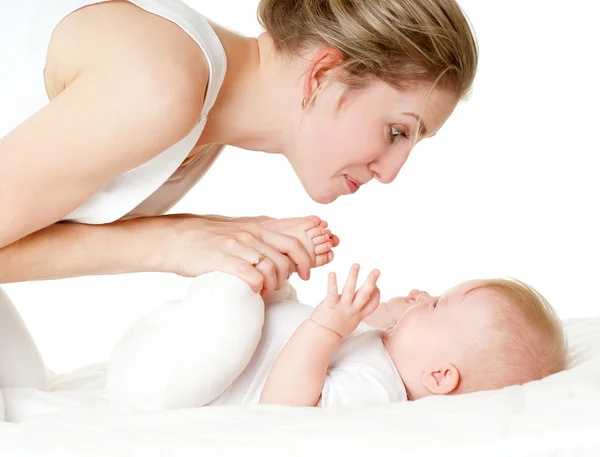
<point x="112" y="110"/>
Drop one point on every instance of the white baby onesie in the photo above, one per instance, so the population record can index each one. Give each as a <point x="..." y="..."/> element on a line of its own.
<point x="217" y="347"/>
<point x="360" y="373"/>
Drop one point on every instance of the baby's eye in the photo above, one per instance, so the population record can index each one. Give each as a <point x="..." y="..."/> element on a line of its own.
<point x="434" y="304"/>
<point x="395" y="133"/>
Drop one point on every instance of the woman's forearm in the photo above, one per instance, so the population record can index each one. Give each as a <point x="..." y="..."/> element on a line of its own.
<point x="187" y="245"/>
<point x="216" y="218"/>
<point x="250" y="219"/>
<point x="298" y="375"/>
<point x="66" y="250"/>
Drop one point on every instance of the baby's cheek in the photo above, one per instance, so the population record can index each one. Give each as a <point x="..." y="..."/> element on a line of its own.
<point x="412" y="337"/>
<point x="407" y="356"/>
<point x="401" y="341"/>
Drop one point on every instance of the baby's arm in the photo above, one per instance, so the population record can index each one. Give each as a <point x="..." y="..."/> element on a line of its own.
<point x="298" y="375"/>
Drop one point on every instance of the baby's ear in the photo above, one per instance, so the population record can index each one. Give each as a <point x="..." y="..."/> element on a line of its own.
<point x="441" y="381"/>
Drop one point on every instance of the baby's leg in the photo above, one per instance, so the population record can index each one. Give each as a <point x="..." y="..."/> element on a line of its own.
<point x="187" y="353"/>
<point x="20" y="361"/>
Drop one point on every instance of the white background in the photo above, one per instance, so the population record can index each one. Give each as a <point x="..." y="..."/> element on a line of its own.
<point x="507" y="188"/>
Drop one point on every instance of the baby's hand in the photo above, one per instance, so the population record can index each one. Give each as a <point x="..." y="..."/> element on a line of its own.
<point x="342" y="313"/>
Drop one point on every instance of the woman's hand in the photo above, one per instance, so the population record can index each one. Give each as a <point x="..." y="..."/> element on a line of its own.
<point x="195" y="246"/>
<point x="342" y="313"/>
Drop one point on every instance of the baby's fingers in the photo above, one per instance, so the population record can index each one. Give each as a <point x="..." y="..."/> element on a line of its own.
<point x="350" y="287"/>
<point x="367" y="289"/>
<point x="372" y="304"/>
<point x="332" y="287"/>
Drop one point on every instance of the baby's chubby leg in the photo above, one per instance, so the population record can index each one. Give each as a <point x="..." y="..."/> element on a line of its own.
<point x="187" y="353"/>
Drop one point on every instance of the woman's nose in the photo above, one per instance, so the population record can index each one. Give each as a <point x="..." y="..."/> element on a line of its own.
<point x="387" y="167"/>
<point x="387" y="174"/>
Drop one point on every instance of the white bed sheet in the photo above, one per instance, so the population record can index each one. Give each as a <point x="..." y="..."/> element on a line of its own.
<point x="558" y="416"/>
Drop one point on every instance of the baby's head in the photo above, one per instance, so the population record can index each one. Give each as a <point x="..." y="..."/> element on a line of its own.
<point x="480" y="335"/>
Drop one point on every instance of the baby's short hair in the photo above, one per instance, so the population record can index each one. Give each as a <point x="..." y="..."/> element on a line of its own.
<point x="524" y="342"/>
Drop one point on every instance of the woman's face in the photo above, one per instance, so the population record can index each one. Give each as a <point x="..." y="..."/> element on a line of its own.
<point x="345" y="139"/>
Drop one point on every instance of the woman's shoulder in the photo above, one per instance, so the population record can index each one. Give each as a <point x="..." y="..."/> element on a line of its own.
<point x="138" y="49"/>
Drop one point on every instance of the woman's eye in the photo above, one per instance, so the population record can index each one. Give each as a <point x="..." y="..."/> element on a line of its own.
<point x="395" y="133"/>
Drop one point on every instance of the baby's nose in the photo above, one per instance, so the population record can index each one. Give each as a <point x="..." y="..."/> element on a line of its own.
<point x="425" y="299"/>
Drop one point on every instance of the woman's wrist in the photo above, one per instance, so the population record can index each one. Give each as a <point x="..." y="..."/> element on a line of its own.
<point x="153" y="240"/>
<point x="134" y="246"/>
<point x="66" y="250"/>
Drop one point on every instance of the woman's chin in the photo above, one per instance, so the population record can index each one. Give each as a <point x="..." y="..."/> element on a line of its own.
<point x="323" y="199"/>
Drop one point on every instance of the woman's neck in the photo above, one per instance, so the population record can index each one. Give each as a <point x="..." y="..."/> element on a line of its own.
<point x="254" y="109"/>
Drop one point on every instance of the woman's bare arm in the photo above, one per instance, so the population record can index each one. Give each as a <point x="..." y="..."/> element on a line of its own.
<point x="66" y="250"/>
<point x="185" y="245"/>
<point x="242" y="220"/>
<point x="127" y="101"/>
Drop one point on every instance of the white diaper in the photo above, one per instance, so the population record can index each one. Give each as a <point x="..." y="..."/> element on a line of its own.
<point x="187" y="353"/>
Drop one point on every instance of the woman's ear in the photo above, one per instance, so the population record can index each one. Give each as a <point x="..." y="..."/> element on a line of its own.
<point x="442" y="380"/>
<point x="325" y="60"/>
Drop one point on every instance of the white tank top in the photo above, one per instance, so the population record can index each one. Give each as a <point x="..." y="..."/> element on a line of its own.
<point x="151" y="188"/>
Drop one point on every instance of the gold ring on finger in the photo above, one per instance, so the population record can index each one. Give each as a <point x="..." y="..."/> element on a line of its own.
<point x="260" y="259"/>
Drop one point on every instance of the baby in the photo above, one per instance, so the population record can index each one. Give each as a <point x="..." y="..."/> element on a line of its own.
<point x="224" y="345"/>
<point x="480" y="335"/>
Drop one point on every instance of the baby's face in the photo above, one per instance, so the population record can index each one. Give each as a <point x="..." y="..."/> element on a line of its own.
<point x="434" y="331"/>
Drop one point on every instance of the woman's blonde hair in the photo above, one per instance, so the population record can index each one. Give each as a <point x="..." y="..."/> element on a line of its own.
<point x="400" y="42"/>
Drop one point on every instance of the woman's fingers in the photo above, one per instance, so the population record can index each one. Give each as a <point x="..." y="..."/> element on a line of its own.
<point x="275" y="259"/>
<point x="239" y="267"/>
<point x="282" y="265"/>
<point x="287" y="245"/>
<point x="265" y="268"/>
<point x="273" y="266"/>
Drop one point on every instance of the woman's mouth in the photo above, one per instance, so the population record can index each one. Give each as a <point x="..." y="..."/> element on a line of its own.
<point x="351" y="184"/>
